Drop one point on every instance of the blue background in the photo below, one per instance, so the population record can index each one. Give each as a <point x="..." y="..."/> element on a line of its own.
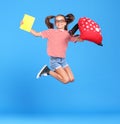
<point x="96" y="69"/>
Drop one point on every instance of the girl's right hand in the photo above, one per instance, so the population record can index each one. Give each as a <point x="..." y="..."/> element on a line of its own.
<point x="21" y="23"/>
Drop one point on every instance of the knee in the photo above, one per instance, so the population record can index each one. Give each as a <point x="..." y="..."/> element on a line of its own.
<point x="67" y="80"/>
<point x="72" y="80"/>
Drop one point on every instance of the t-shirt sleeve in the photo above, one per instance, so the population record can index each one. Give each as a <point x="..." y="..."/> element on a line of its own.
<point x="45" y="34"/>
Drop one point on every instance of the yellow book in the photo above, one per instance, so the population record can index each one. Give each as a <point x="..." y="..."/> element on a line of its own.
<point x="27" y="22"/>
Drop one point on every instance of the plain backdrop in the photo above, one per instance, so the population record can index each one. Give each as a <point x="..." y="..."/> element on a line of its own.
<point x="96" y="69"/>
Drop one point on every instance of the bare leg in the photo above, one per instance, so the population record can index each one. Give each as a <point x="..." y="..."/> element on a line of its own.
<point x="69" y="73"/>
<point x="61" y="74"/>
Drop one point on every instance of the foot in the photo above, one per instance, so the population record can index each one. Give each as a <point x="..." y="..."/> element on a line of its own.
<point x="44" y="71"/>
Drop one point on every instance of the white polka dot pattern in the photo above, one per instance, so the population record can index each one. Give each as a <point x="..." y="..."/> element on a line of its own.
<point x="89" y="25"/>
<point x="90" y="30"/>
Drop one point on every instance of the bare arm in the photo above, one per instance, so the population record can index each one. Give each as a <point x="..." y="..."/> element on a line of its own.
<point x="33" y="32"/>
<point x="37" y="34"/>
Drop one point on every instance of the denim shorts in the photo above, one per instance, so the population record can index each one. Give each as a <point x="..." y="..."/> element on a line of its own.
<point x="57" y="62"/>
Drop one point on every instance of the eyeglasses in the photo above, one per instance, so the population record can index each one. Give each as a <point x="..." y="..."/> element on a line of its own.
<point x="61" y="21"/>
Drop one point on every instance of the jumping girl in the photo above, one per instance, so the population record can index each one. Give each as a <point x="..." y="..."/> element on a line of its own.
<point x="58" y="39"/>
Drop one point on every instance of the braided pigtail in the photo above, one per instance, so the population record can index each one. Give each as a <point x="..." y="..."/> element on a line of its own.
<point x="48" y="23"/>
<point x="69" y="18"/>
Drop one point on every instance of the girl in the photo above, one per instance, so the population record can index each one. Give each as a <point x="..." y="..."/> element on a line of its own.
<point x="58" y="39"/>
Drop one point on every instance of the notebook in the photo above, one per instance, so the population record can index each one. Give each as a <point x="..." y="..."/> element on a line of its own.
<point x="27" y="22"/>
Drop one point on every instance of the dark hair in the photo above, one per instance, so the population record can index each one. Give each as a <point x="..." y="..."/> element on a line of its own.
<point x="68" y="18"/>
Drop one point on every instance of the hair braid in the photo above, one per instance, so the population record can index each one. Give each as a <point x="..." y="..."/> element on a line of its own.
<point x="48" y="23"/>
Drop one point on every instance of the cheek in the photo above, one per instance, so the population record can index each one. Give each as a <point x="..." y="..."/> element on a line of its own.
<point x="56" y="24"/>
<point x="65" y="23"/>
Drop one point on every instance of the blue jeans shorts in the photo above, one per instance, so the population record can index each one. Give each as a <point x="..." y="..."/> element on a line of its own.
<point x="57" y="62"/>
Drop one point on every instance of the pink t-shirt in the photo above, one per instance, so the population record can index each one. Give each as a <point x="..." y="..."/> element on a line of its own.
<point x="57" y="41"/>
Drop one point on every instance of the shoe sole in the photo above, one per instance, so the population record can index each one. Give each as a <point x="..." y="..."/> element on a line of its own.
<point x="38" y="75"/>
